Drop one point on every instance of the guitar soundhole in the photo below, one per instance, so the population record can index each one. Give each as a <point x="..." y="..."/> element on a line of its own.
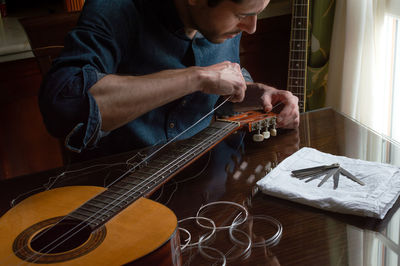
<point x="52" y="241"/>
<point x="62" y="237"/>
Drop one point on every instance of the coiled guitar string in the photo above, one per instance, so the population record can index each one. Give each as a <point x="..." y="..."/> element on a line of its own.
<point x="76" y="229"/>
<point x="119" y="198"/>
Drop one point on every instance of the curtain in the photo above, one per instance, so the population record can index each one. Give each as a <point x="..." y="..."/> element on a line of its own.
<point x="357" y="67"/>
<point x="356" y="87"/>
<point x="320" y="29"/>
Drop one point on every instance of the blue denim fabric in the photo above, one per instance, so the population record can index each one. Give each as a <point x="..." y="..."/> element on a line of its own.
<point x="127" y="37"/>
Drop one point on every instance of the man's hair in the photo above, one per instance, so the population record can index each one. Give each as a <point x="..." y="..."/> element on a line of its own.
<point x="213" y="3"/>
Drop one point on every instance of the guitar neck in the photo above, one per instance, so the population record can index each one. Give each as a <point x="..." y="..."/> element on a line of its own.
<point x="297" y="67"/>
<point x="151" y="175"/>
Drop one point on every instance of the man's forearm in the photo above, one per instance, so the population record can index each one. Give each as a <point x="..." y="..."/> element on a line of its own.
<point x="123" y="98"/>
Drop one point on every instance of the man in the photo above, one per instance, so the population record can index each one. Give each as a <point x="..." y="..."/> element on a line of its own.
<point x="137" y="73"/>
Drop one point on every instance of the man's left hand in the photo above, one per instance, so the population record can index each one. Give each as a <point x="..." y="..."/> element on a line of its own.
<point x="260" y="95"/>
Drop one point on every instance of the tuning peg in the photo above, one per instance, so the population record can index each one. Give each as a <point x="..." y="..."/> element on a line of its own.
<point x="266" y="134"/>
<point x="273" y="132"/>
<point x="258" y="137"/>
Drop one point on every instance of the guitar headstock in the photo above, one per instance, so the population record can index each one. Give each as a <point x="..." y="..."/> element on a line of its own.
<point x="263" y="123"/>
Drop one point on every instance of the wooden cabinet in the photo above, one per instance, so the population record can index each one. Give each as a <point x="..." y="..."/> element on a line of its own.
<point x="25" y="145"/>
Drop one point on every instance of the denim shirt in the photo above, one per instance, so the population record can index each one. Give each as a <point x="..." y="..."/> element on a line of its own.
<point x="126" y="37"/>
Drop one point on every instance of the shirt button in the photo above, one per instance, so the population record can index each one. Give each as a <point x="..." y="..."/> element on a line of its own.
<point x="183" y="102"/>
<point x="171" y="125"/>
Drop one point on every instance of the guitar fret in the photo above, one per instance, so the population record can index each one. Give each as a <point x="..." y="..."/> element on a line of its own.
<point x="115" y="195"/>
<point x="138" y="183"/>
<point x="181" y="148"/>
<point x="108" y="201"/>
<point x="169" y="154"/>
<point x="299" y="34"/>
<point x="158" y="164"/>
<point x="117" y="199"/>
<point x="296" y="66"/>
<point x="164" y="159"/>
<point x="298" y="47"/>
<point x="82" y="218"/>
<point x="140" y="175"/>
<point x="148" y="171"/>
<point x="90" y="207"/>
<point x="122" y="186"/>
<point x="101" y="216"/>
<point x="119" y="188"/>
<point x="97" y="204"/>
<point x="153" y="167"/>
<point x="197" y="141"/>
<point x="188" y="145"/>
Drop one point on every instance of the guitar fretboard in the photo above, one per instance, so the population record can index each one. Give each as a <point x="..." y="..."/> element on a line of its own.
<point x="147" y="178"/>
<point x="298" y="51"/>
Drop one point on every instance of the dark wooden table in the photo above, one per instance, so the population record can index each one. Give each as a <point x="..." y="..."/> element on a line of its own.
<point x="230" y="171"/>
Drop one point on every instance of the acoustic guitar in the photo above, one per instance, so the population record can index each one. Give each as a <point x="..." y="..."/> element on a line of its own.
<point x="86" y="225"/>
<point x="297" y="67"/>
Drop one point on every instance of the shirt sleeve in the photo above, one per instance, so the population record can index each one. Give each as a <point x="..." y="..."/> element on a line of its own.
<point x="246" y="75"/>
<point x="92" y="50"/>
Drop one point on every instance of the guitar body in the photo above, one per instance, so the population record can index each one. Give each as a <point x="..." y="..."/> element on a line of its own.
<point x="143" y="230"/>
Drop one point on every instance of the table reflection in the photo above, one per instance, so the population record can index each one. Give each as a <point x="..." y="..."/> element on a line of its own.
<point x="229" y="172"/>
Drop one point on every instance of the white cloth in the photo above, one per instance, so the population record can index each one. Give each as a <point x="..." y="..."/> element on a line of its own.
<point x="374" y="199"/>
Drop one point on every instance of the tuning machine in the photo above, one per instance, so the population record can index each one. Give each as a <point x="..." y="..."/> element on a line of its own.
<point x="264" y="126"/>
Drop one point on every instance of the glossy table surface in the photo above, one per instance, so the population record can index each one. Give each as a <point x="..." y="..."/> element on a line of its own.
<point x="228" y="174"/>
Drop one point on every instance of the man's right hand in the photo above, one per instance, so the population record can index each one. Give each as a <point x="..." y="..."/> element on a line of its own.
<point x="225" y="79"/>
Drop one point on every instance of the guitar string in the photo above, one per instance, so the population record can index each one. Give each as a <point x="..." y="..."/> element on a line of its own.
<point x="187" y="152"/>
<point x="173" y="139"/>
<point x="140" y="184"/>
<point x="82" y="228"/>
<point x="123" y="175"/>
<point x="176" y="183"/>
<point x="100" y="210"/>
<point x="299" y="76"/>
<point x="106" y="208"/>
<point x="54" y="179"/>
<point x="44" y="231"/>
<point x="304" y="33"/>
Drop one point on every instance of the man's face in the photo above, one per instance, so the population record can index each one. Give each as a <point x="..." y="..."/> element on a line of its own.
<point x="227" y="19"/>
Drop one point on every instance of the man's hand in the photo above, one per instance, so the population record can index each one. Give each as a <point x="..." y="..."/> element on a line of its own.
<point x="225" y="79"/>
<point x="262" y="96"/>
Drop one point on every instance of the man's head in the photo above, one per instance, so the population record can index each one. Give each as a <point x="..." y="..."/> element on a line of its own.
<point x="219" y="20"/>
